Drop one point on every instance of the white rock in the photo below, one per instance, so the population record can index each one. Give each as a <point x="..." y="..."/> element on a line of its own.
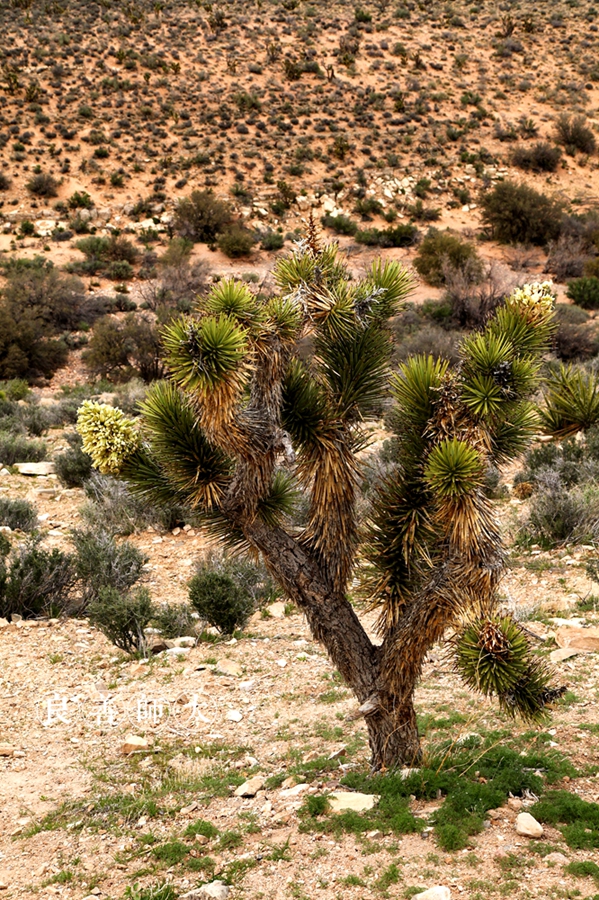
<point x="134" y="744"/>
<point x="342" y="800"/>
<point x="234" y="715"/>
<point x="563" y="653"/>
<point x="295" y="790"/>
<point x="251" y="787"/>
<point x="527" y="826"/>
<point x="35" y="468"/>
<point x="4" y="623"/>
<point x="438" y="892"/>
<point x="177" y="651"/>
<point x="6" y="750"/>
<point x="558" y="859"/>
<point x="216" y="890"/>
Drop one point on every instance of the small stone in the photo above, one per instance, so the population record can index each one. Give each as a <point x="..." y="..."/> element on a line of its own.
<point x="216" y="890"/>
<point x="177" y="651"/>
<point x="185" y="810"/>
<point x="337" y="754"/>
<point x="234" y="715"/>
<point x="158" y="647"/>
<point x="375" y="835"/>
<point x="4" y="623"/>
<point x="311" y="756"/>
<point x="134" y="744"/>
<point x="276" y="610"/>
<point x="228" y="667"/>
<point x="250" y="787"/>
<point x="578" y="638"/>
<point x="527" y="826"/>
<point x="438" y="892"/>
<point x="6" y="750"/>
<point x="202" y="840"/>
<point x="557" y="859"/>
<point x="515" y="803"/>
<point x="342" y="800"/>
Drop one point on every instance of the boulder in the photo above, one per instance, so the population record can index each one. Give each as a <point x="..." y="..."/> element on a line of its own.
<point x="276" y="610"/>
<point x="35" y="468"/>
<point x="527" y="826"/>
<point x="342" y="800"/>
<point x="563" y="653"/>
<point x="577" y="638"/>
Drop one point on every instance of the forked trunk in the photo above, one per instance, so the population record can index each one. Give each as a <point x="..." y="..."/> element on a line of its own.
<point x="392" y="729"/>
<point x="393" y="736"/>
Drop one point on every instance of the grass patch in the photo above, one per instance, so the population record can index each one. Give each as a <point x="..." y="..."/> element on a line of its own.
<point x="577" y="819"/>
<point x="472" y="781"/>
<point x="583" y="869"/>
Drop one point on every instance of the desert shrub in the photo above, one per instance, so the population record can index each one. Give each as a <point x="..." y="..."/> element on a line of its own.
<point x="236" y="242"/>
<point x="15" y="389"/>
<point x="112" y="507"/>
<point x="80" y="200"/>
<point x="18" y="448"/>
<point x="175" y="620"/>
<point x="473" y="293"/>
<point x="201" y="217"/>
<point x="397" y="236"/>
<point x="225" y="591"/>
<point x="37" y="306"/>
<point x="340" y="224"/>
<point x="43" y="185"/>
<point x="541" y="157"/>
<point x="36" y="582"/>
<point x="429" y="340"/>
<point x="584" y="292"/>
<point x="119" y="350"/>
<point x="73" y="466"/>
<point x="272" y="240"/>
<point x="574" y="339"/>
<point x="19" y="514"/>
<point x="178" y="283"/>
<point x="518" y="214"/>
<point x="5" y="182"/>
<point x="100" y="562"/>
<point x="440" y="248"/>
<point x="567" y="256"/>
<point x="558" y="515"/>
<point x="122" y="617"/>
<point x="119" y="270"/>
<point x="574" y="134"/>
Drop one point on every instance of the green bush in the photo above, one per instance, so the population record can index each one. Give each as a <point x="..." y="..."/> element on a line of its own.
<point x="43" y="185"/>
<point x="201" y="217"/>
<point x="584" y="292"/>
<point x="120" y="350"/>
<point x="37" y="306"/>
<point x="73" y="466"/>
<point x="440" y="249"/>
<point x="236" y="242"/>
<point x="102" y="563"/>
<point x="123" y="618"/>
<point x="80" y="200"/>
<point x="518" y="214"/>
<point x="225" y="591"/>
<point x="340" y="224"/>
<point x="272" y="240"/>
<point x="541" y="157"/>
<point x="574" y="134"/>
<point x="397" y="236"/>
<point x="36" y="582"/>
<point x="18" y="514"/>
<point x="175" y="620"/>
<point x="17" y="448"/>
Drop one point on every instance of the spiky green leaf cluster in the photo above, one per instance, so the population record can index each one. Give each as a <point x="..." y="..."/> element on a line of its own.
<point x="109" y="437"/>
<point x="453" y="469"/>
<point x="571" y="402"/>
<point x="203" y="353"/>
<point x="493" y="657"/>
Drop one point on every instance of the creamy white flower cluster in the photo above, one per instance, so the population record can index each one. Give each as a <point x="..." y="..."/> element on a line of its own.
<point x="537" y="294"/>
<point x="109" y="437"/>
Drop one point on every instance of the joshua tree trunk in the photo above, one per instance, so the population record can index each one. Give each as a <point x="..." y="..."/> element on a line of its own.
<point x="391" y="721"/>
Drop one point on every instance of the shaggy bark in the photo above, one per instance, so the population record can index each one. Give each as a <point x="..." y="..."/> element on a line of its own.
<point x="391" y="723"/>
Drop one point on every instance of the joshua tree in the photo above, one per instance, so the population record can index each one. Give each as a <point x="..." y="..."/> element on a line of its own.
<point x="242" y="423"/>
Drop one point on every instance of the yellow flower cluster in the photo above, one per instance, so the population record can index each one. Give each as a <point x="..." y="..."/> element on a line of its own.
<point x="109" y="437"/>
